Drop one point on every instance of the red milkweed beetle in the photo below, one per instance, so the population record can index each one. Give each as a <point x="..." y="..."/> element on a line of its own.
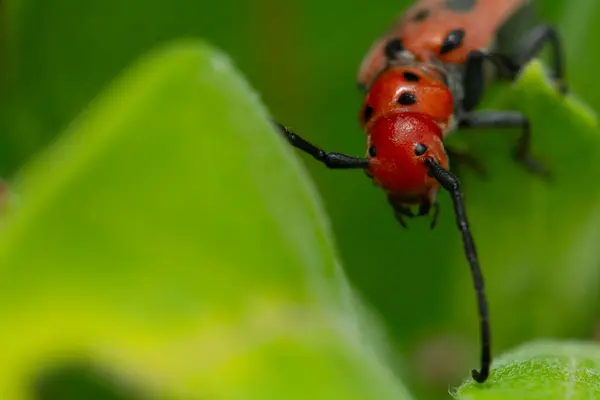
<point x="463" y="35"/>
<point x="423" y="79"/>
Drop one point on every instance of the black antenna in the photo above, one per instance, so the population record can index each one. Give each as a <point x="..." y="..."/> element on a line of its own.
<point x="451" y="184"/>
<point x="331" y="160"/>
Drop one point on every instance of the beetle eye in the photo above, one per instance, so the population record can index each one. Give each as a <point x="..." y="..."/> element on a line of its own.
<point x="373" y="151"/>
<point x="420" y="149"/>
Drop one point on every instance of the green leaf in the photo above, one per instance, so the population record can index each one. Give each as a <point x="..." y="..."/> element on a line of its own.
<point x="541" y="370"/>
<point x="170" y="240"/>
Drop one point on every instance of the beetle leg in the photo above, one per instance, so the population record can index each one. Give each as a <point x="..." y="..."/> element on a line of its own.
<point x="401" y="210"/>
<point x="331" y="160"/>
<point x="400" y="214"/>
<point x="426" y="206"/>
<point x="531" y="45"/>
<point x="508" y="119"/>
<point x="474" y="83"/>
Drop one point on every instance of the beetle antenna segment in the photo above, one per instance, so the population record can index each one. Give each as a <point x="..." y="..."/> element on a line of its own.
<point x="451" y="184"/>
<point x="331" y="160"/>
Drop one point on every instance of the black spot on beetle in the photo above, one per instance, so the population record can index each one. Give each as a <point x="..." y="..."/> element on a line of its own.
<point x="411" y="77"/>
<point x="421" y="16"/>
<point x="373" y="151"/>
<point x="393" y="48"/>
<point x="452" y="41"/>
<point x="407" y="98"/>
<point x="368" y="112"/>
<point x="420" y="149"/>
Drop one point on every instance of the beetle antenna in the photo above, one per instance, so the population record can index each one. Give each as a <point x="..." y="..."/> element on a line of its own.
<point x="331" y="160"/>
<point x="451" y="184"/>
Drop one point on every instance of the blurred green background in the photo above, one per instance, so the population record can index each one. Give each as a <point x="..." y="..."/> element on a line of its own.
<point x="538" y="244"/>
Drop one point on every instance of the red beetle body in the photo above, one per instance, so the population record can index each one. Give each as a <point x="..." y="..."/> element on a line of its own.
<point x="407" y="106"/>
<point x="424" y="27"/>
<point x="396" y="167"/>
<point x="415" y="88"/>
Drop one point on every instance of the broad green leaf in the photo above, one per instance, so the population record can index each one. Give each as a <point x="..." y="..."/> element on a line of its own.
<point x="541" y="370"/>
<point x="170" y="241"/>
